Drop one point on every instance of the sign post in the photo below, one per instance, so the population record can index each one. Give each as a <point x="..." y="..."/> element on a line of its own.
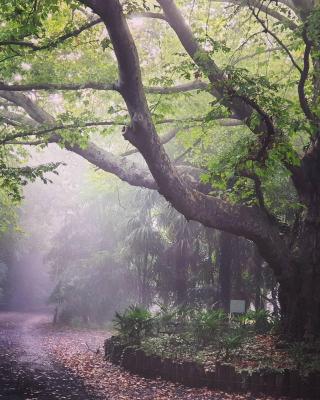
<point x="237" y="306"/>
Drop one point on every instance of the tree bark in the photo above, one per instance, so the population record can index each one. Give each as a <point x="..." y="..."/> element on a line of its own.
<point x="257" y="260"/>
<point x="299" y="293"/>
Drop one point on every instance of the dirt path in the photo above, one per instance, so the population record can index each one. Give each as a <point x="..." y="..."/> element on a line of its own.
<point x="40" y="362"/>
<point x="27" y="368"/>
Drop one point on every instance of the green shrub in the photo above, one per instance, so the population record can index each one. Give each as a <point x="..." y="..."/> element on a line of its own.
<point x="172" y="320"/>
<point x="169" y="346"/>
<point x="133" y="324"/>
<point x="258" y="321"/>
<point x="165" y="319"/>
<point x="261" y="320"/>
<point x="206" y="325"/>
<point x="231" y="341"/>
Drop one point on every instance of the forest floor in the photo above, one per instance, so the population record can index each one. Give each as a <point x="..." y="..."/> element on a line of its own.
<point x="41" y="362"/>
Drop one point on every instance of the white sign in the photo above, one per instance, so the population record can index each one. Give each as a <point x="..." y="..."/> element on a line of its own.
<point x="237" y="306"/>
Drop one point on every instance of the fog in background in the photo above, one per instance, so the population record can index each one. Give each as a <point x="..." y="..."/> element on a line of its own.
<point x="90" y="245"/>
<point x="42" y="213"/>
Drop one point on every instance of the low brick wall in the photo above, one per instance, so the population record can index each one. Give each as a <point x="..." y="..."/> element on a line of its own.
<point x="225" y="377"/>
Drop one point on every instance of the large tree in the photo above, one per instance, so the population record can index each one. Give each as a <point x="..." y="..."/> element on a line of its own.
<point x="292" y="249"/>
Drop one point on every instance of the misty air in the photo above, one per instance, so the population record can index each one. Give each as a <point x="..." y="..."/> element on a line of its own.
<point x="159" y="200"/>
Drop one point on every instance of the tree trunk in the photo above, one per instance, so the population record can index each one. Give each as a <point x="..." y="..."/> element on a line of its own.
<point x="275" y="300"/>
<point x="144" y="283"/>
<point x="300" y="305"/>
<point x="299" y="291"/>
<point x="181" y="273"/>
<point x="258" y="302"/>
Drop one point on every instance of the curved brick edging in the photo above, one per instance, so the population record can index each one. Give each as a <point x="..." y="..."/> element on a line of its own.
<point x="225" y="376"/>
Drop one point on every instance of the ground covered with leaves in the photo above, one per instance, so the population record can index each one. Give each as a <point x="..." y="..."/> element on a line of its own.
<point x="249" y="342"/>
<point x="38" y="361"/>
<point x="253" y="353"/>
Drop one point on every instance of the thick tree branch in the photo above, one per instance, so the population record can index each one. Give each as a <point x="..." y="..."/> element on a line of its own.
<point x="177" y="188"/>
<point x="221" y="88"/>
<point x="34" y="111"/>
<point x="16" y="119"/>
<point x="127" y="171"/>
<point x="58" y="86"/>
<point x="213" y="212"/>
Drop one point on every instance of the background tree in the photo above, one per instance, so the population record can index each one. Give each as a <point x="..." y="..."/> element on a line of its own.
<point x="143" y="245"/>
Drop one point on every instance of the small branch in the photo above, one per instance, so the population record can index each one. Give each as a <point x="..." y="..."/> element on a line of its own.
<point x="164" y="139"/>
<point x="182" y="155"/>
<point x="55" y="42"/>
<point x="196" y="85"/>
<point x="152" y="15"/>
<point x="97" y="351"/>
<point x="269" y="134"/>
<point x="25" y="143"/>
<point x="257" y="186"/>
<point x="57" y="86"/>
<point x="279" y="41"/>
<point x="59" y="127"/>
<point x="257" y="53"/>
<point x="20" y="43"/>
<point x="74" y="33"/>
<point x="303" y="78"/>
<point x="10" y="138"/>
<point x="267" y="10"/>
<point x="170" y="135"/>
<point x="260" y="197"/>
<point x="91" y="124"/>
<point x="187" y="87"/>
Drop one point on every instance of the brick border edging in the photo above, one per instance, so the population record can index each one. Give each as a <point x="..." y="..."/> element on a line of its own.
<point x="225" y="377"/>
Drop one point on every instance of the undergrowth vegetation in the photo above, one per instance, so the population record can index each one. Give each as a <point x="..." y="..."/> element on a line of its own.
<point x="250" y="341"/>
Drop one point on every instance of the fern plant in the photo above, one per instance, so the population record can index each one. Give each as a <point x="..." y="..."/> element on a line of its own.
<point x="134" y="324"/>
<point x="208" y="324"/>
